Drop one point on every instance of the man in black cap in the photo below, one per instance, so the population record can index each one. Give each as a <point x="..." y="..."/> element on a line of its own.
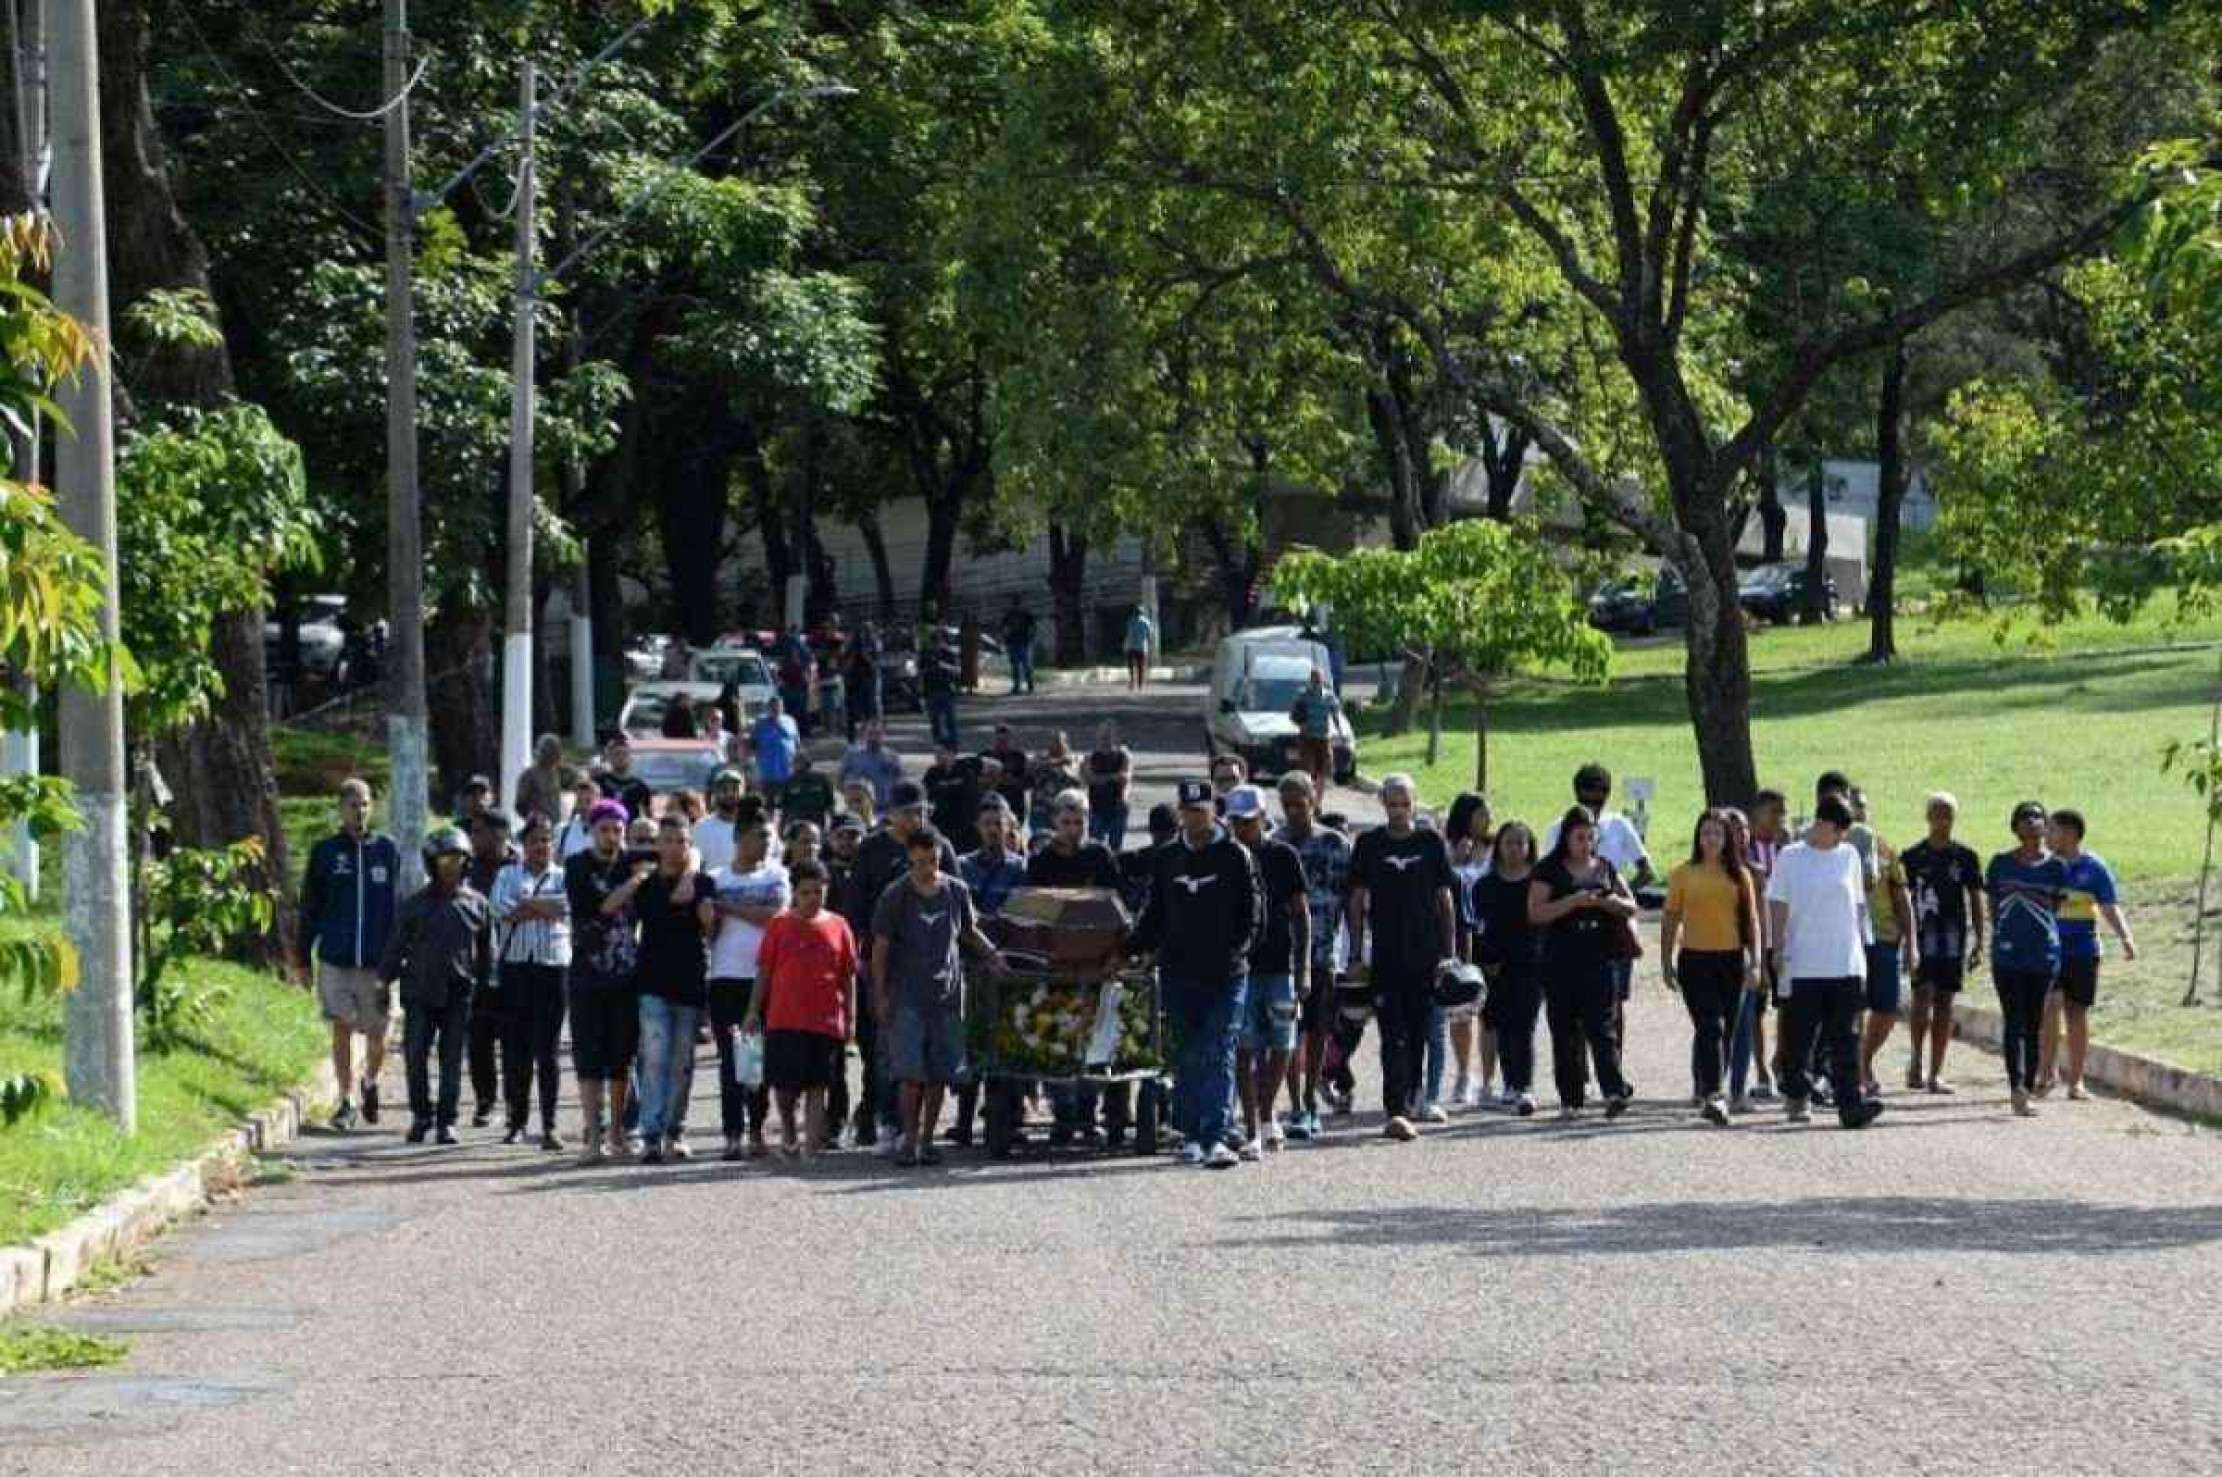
<point x="475" y="799"/>
<point x="882" y="859"/>
<point x="441" y="952"/>
<point x="1200" y="921"/>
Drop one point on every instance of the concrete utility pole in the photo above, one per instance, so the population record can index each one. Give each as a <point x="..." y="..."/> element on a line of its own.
<point x="405" y="723"/>
<point x="516" y="679"/>
<point x="98" y="1053"/>
<point x="27" y="33"/>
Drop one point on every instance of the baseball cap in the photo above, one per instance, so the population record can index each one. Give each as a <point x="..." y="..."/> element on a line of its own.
<point x="728" y="775"/>
<point x="906" y="795"/>
<point x="994" y="804"/>
<point x="1195" y="792"/>
<point x="847" y="820"/>
<point x="478" y="784"/>
<point x="1244" y="802"/>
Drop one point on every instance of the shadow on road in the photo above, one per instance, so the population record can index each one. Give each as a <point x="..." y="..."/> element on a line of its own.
<point x="1863" y="1224"/>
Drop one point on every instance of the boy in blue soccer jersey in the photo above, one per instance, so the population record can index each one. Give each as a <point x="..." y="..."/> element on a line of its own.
<point x="2087" y="897"/>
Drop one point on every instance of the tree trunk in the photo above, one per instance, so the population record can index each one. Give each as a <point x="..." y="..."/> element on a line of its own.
<point x="764" y="502"/>
<point x="1816" y="548"/>
<point x="1237" y="566"/>
<point x="1716" y="678"/>
<point x="606" y="604"/>
<point x="691" y="461"/>
<point x="220" y="769"/>
<point x="1890" y="502"/>
<point x="466" y="729"/>
<point x="1481" y="738"/>
<point x="1504" y="459"/>
<point x="944" y="511"/>
<point x="1068" y="589"/>
<point x="1434" y="718"/>
<point x="1411" y="687"/>
<point x="883" y="574"/>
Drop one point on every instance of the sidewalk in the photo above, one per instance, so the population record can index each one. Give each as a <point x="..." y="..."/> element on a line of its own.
<point x="1176" y="672"/>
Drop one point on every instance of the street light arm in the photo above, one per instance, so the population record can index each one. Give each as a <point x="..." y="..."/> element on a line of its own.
<point x="639" y="202"/>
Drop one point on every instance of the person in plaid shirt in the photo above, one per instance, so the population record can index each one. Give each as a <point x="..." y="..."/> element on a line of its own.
<point x="1325" y="853"/>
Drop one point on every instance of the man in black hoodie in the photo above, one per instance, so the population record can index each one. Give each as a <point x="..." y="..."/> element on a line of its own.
<point x="1200" y="921"/>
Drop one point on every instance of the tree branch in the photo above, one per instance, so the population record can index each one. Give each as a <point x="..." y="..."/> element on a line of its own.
<point x="1814" y="356"/>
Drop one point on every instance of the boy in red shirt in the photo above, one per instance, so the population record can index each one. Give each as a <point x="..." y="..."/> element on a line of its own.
<point x="805" y="1002"/>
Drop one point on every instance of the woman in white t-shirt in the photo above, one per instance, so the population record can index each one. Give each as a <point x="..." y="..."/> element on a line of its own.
<point x="1817" y="900"/>
<point x="750" y="892"/>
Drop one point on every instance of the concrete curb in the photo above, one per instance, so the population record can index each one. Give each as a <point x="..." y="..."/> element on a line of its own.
<point x="56" y="1262"/>
<point x="2156" y="1084"/>
<point x="1056" y="677"/>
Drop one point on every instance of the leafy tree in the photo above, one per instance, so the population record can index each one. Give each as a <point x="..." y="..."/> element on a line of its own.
<point x="1482" y="601"/>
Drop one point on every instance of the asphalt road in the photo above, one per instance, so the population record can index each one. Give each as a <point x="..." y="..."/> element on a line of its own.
<point x="1953" y="1291"/>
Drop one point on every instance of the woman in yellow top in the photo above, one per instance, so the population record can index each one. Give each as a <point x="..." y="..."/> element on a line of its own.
<point x="1712" y="913"/>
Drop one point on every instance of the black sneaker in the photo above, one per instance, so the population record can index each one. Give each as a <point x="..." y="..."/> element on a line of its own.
<point x="370" y="1102"/>
<point x="343" y="1118"/>
<point x="653" y="1154"/>
<point x="419" y="1131"/>
<point x="446" y="1135"/>
<point x="1861" y="1115"/>
<point x="482" y="1117"/>
<point x="515" y="1135"/>
<point x="1615" y="1106"/>
<point x="552" y="1141"/>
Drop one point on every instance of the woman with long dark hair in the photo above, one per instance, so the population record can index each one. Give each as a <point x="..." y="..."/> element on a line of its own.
<point x="1712" y="913"/>
<point x="1466" y="831"/>
<point x="1578" y="900"/>
<point x="1510" y="951"/>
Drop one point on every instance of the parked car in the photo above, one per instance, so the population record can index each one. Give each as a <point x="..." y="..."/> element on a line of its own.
<point x="647" y="702"/>
<point x="670" y="765"/>
<point x="743" y="666"/>
<point x="1255" y="678"/>
<point x="1777" y="593"/>
<point x="1641" y="604"/>
<point x="324" y="646"/>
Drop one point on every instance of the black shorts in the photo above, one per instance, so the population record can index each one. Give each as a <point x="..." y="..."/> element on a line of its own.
<point x="2079" y="981"/>
<point x="1945" y="976"/>
<point x="605" y="1029"/>
<point x="1316" y="1015"/>
<point x="795" y="1061"/>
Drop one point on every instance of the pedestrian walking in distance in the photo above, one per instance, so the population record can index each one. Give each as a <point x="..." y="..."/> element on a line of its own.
<point x="1314" y="713"/>
<point x="1584" y="908"/>
<point x="1945" y="883"/>
<point x="440" y="954"/>
<point x="1403" y="909"/>
<point x="1280" y="968"/>
<point x="348" y="897"/>
<point x="1817" y="897"/>
<point x="2088" y="897"/>
<point x="1709" y="949"/>
<point x="532" y="950"/>
<point x="1509" y="948"/>
<point x="2025" y="887"/>
<point x="1141" y="641"/>
<point x="1325" y="856"/>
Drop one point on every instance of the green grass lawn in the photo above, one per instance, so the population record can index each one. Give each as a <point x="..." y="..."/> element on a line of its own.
<point x="266" y="1037"/>
<point x="2078" y="719"/>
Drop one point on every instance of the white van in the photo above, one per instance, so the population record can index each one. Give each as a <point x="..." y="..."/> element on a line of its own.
<point x="1255" y="678"/>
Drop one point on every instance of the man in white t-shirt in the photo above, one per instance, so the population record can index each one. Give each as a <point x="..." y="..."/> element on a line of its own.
<point x="1817" y="899"/>
<point x="1618" y="841"/>
<point x="749" y="892"/>
<point x="713" y="837"/>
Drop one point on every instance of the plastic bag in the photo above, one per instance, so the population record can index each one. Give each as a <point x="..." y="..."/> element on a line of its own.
<point x="1103" y="1041"/>
<point x="748" y="1059"/>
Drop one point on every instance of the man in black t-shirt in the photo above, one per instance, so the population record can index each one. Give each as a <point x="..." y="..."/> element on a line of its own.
<point x="952" y="784"/>
<point x="1069" y="858"/>
<point x="881" y="859"/>
<point x="1945" y="881"/>
<point x="1402" y="885"/>
<point x="1280" y="971"/>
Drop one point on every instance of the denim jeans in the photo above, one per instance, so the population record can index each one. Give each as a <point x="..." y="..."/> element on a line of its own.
<point x="1202" y="1014"/>
<point x="1108" y="825"/>
<point x="1022" y="669"/>
<point x="941" y="717"/>
<point x="1438" y="1052"/>
<point x="666" y="1052"/>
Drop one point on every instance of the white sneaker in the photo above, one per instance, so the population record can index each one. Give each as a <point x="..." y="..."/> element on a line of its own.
<point x="1275" y="1136"/>
<point x="1222" y="1157"/>
<point x="1434" y="1113"/>
<point x="889" y="1146"/>
<point x="1191" y="1153"/>
<point x="1465" y="1093"/>
<point x="1249" y="1153"/>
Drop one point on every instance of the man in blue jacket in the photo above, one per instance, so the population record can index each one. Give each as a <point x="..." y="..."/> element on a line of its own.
<point x="347" y="912"/>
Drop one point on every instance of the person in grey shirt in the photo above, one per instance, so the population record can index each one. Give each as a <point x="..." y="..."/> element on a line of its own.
<point x="922" y="925"/>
